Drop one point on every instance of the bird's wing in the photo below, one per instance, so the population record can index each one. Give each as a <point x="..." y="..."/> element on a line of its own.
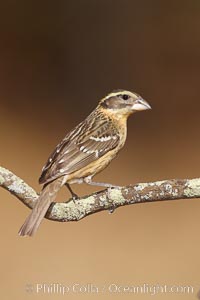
<point x="89" y="141"/>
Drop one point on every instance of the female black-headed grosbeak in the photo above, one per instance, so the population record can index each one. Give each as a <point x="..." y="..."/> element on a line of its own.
<point x="85" y="151"/>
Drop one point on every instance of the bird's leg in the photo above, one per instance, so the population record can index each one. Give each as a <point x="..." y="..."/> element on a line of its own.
<point x="88" y="180"/>
<point x="74" y="196"/>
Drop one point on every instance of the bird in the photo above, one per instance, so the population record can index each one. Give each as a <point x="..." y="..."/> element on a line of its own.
<point x="85" y="151"/>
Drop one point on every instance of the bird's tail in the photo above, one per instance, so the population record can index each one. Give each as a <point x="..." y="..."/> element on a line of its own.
<point x="48" y="194"/>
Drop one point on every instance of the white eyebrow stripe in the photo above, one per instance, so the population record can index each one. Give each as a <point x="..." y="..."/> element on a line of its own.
<point x="123" y="92"/>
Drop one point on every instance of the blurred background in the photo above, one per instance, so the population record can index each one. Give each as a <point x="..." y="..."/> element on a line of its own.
<point x="57" y="59"/>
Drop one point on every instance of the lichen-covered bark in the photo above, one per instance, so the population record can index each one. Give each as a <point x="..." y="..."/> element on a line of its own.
<point x="108" y="199"/>
<point x="17" y="187"/>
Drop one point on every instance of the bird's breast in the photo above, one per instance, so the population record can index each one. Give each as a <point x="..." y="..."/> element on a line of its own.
<point x="99" y="164"/>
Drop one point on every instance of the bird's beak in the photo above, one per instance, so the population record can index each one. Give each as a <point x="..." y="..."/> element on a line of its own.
<point x="140" y="104"/>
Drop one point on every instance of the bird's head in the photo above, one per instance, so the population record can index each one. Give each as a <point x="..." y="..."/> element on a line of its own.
<point x="123" y="103"/>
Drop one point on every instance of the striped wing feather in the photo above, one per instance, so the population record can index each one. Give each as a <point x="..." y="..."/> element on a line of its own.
<point x="89" y="141"/>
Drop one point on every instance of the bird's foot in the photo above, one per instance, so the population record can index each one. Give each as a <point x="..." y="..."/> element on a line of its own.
<point x="111" y="209"/>
<point x="75" y="197"/>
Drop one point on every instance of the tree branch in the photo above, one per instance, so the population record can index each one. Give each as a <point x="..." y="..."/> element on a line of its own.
<point x="108" y="199"/>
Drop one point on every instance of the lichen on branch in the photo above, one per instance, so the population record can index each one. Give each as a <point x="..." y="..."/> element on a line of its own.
<point x="108" y="199"/>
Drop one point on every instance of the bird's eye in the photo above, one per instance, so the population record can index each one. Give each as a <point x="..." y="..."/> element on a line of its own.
<point x="125" y="97"/>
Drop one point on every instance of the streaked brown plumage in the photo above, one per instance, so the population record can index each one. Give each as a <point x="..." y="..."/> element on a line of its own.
<point x="85" y="151"/>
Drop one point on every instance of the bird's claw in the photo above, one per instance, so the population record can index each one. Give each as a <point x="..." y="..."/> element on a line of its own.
<point x="111" y="209"/>
<point x="75" y="198"/>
